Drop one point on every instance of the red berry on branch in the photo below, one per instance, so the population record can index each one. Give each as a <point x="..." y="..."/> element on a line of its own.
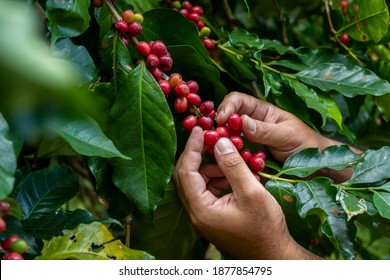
<point x="187" y="5"/>
<point x="180" y="104"/>
<point x="212" y="114"/>
<point x="345" y="39"/>
<point x="235" y="122"/>
<point x="184" y="12"/>
<point x="97" y="3"/>
<point x="156" y="73"/>
<point x="174" y="79"/>
<point x="256" y="164"/>
<point x="206" y="107"/>
<point x="206" y="122"/>
<point x="260" y="154"/>
<point x="3" y="225"/>
<point x="9" y="240"/>
<point x="194" y="17"/>
<point x="211" y="137"/>
<point x="246" y="155"/>
<point x="134" y="29"/>
<point x="198" y="10"/>
<point x="189" y="122"/>
<point x="210" y="150"/>
<point x="127" y="16"/>
<point x="200" y="24"/>
<point x="143" y="48"/>
<point x="208" y="43"/>
<point x="181" y="89"/>
<point x="165" y="62"/>
<point x="343" y="3"/>
<point x="165" y="87"/>
<point x="237" y="142"/>
<point x="158" y="48"/>
<point x="193" y="98"/>
<point x="193" y="85"/>
<point x="121" y="26"/>
<point x="223" y="131"/>
<point x="12" y="256"/>
<point x="152" y="61"/>
<point x="5" y="207"/>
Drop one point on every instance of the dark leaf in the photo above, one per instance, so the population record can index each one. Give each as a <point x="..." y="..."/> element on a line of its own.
<point x="8" y="160"/>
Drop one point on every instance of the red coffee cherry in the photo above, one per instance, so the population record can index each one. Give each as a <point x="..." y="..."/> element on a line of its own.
<point x="165" y="62"/>
<point x="260" y="154"/>
<point x="156" y="73"/>
<point x="345" y="39"/>
<point x="9" y="240"/>
<point x="121" y="26"/>
<point x="235" y="122"/>
<point x="343" y="3"/>
<point x="181" y="89"/>
<point x="256" y="164"/>
<point x="180" y="104"/>
<point x="193" y="85"/>
<point x="211" y="137"/>
<point x="206" y="107"/>
<point x="174" y="79"/>
<point x="3" y="225"/>
<point x="208" y="43"/>
<point x="222" y="131"/>
<point x="13" y="256"/>
<point x="158" y="48"/>
<point x="97" y="3"/>
<point x="237" y="142"/>
<point x="134" y="29"/>
<point x="127" y="16"/>
<point x="152" y="61"/>
<point x="165" y="87"/>
<point x="197" y="10"/>
<point x="190" y="122"/>
<point x="187" y="5"/>
<point x="193" y="98"/>
<point x="206" y="122"/>
<point x="194" y="17"/>
<point x="246" y="155"/>
<point x="5" y="207"/>
<point x="200" y="24"/>
<point x="143" y="48"/>
<point x="212" y="114"/>
<point x="184" y="12"/>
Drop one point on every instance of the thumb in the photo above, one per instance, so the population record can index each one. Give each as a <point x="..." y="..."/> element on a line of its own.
<point x="236" y="171"/>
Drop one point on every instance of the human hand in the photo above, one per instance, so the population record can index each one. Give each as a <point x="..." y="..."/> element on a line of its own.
<point x="247" y="223"/>
<point x="281" y="132"/>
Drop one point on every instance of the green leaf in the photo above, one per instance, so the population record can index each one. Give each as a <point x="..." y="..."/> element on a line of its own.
<point x="374" y="167"/>
<point x="139" y="6"/>
<point x="89" y="242"/>
<point x="384" y="106"/>
<point x="310" y="97"/>
<point x="67" y="18"/>
<point x="8" y="160"/>
<point x="318" y="197"/>
<point x="45" y="190"/>
<point x="79" y="57"/>
<point x="15" y="208"/>
<point x="366" y="20"/>
<point x="349" y="81"/>
<point x="47" y="225"/>
<point x="86" y="138"/>
<point x="171" y="236"/>
<point x="142" y="127"/>
<point x="382" y="203"/>
<point x="308" y="161"/>
<point x="351" y="204"/>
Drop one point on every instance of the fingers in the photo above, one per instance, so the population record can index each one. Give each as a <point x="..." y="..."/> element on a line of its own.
<point x="241" y="179"/>
<point x="244" y="104"/>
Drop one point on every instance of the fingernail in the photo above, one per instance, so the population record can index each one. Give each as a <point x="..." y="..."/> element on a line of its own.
<point x="220" y="113"/>
<point x="251" y="125"/>
<point x="225" y="146"/>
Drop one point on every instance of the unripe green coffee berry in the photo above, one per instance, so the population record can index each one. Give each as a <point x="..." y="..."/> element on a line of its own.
<point x="204" y="32"/>
<point x="20" y="246"/>
<point x="138" y="17"/>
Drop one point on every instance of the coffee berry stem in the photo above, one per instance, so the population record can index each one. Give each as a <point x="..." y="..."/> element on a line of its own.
<point x="112" y="10"/>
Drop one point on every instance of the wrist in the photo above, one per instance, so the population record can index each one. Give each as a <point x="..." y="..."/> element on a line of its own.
<point x="294" y="251"/>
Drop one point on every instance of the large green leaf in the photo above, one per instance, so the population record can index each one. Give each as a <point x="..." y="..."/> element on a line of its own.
<point x="139" y="6"/>
<point x="318" y="197"/>
<point x="86" y="138"/>
<point x="47" y="225"/>
<point x="349" y="81"/>
<point x="89" y="242"/>
<point x="8" y="160"/>
<point x="382" y="203"/>
<point x="142" y="127"/>
<point x="46" y="189"/>
<point x="307" y="161"/>
<point x="374" y="167"/>
<point x="366" y="20"/>
<point x="171" y="236"/>
<point x="67" y="18"/>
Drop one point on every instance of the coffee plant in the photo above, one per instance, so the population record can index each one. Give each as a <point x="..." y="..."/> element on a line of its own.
<point x="98" y="98"/>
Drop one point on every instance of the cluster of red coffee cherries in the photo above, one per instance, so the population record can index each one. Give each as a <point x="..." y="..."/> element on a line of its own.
<point x="12" y="247"/>
<point x="158" y="61"/>
<point x="344" y="38"/>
